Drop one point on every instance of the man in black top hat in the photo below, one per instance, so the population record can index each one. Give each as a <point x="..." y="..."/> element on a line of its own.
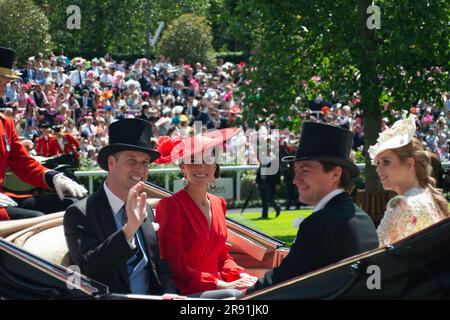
<point x="337" y="228"/>
<point x="15" y="156"/>
<point x="111" y="235"/>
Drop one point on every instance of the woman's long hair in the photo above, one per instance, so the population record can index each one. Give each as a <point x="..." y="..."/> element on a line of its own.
<point x="424" y="171"/>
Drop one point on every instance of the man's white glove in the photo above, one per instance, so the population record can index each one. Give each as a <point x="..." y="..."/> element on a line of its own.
<point x="64" y="184"/>
<point x="6" y="201"/>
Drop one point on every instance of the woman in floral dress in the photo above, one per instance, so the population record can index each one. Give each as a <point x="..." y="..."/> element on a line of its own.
<point x="405" y="167"/>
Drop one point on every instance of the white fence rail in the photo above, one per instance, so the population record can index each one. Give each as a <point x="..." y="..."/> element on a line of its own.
<point x="168" y="171"/>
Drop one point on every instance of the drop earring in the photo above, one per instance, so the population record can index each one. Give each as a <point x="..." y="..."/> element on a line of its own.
<point x="213" y="185"/>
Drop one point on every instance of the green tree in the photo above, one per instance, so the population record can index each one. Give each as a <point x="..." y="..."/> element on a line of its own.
<point x="229" y="31"/>
<point x="188" y="37"/>
<point x="114" y="26"/>
<point x="406" y="59"/>
<point x="24" y="27"/>
<point x="106" y="26"/>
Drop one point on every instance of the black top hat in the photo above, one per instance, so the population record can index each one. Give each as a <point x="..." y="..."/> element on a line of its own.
<point x="127" y="134"/>
<point x="44" y="125"/>
<point x="324" y="142"/>
<point x="56" y="128"/>
<point x="6" y="63"/>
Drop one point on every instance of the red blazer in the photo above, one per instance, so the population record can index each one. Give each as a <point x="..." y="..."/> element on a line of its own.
<point x="197" y="256"/>
<point x="71" y="145"/>
<point x="14" y="155"/>
<point x="46" y="148"/>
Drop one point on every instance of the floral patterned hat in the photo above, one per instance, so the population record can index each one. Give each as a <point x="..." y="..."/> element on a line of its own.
<point x="399" y="135"/>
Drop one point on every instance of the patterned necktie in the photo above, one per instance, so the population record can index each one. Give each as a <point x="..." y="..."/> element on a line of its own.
<point x="124" y="218"/>
<point x="134" y="260"/>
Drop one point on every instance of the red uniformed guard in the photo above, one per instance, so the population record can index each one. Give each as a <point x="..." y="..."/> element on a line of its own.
<point x="46" y="144"/>
<point x="65" y="143"/>
<point x="14" y="155"/>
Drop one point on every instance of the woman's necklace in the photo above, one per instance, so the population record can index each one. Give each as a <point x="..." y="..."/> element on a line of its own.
<point x="203" y="204"/>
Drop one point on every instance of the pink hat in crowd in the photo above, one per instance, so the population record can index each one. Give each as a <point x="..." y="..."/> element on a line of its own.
<point x="30" y="101"/>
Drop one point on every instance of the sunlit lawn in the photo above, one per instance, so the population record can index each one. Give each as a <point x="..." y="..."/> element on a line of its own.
<point x="280" y="228"/>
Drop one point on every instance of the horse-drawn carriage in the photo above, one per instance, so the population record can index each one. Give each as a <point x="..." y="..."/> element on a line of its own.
<point x="34" y="264"/>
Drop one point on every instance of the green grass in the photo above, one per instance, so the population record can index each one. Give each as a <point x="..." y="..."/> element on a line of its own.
<point x="280" y="228"/>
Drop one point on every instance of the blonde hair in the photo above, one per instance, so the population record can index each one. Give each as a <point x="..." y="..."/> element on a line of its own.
<point x="424" y="171"/>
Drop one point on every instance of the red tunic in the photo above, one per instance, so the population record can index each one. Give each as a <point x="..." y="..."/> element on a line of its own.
<point x="71" y="145"/>
<point x="46" y="147"/>
<point x="14" y="155"/>
<point x="197" y="256"/>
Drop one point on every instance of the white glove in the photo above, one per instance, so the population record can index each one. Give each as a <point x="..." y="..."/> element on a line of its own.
<point x="65" y="184"/>
<point x="6" y="201"/>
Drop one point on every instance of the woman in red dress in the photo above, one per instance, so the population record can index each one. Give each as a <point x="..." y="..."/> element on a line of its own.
<point x="192" y="222"/>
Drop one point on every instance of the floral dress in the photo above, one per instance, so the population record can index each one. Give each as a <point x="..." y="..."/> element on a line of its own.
<point x="407" y="214"/>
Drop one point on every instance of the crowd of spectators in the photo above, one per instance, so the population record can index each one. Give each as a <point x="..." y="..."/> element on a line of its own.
<point x="432" y="121"/>
<point x="81" y="98"/>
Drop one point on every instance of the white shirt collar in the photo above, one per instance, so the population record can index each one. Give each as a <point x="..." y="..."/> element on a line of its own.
<point x="114" y="201"/>
<point x="323" y="202"/>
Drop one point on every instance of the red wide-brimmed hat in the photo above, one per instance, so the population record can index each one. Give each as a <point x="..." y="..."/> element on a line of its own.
<point x="165" y="146"/>
<point x="174" y="149"/>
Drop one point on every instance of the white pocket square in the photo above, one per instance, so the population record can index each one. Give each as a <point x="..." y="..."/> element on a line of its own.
<point x="155" y="226"/>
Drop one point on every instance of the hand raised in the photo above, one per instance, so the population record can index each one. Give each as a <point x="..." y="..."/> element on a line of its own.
<point x="135" y="210"/>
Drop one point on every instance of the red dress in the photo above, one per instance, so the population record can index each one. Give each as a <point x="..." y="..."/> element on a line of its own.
<point x="197" y="256"/>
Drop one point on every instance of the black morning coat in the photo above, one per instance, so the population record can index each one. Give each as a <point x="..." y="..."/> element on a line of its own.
<point x="338" y="231"/>
<point x="101" y="251"/>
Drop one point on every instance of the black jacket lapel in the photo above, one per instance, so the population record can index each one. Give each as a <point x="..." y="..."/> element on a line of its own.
<point x="336" y="199"/>
<point x="151" y="241"/>
<point x="104" y="213"/>
<point x="106" y="221"/>
<point x="339" y="198"/>
<point x="148" y="231"/>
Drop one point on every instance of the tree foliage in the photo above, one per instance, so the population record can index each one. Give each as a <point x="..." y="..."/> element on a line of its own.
<point x="405" y="60"/>
<point x="114" y="26"/>
<point x="229" y="31"/>
<point x="24" y="27"/>
<point x="188" y="37"/>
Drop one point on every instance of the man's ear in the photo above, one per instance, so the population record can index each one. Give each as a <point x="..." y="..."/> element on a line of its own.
<point x="337" y="173"/>
<point x="111" y="161"/>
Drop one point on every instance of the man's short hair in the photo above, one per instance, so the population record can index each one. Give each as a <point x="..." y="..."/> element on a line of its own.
<point x="345" y="182"/>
